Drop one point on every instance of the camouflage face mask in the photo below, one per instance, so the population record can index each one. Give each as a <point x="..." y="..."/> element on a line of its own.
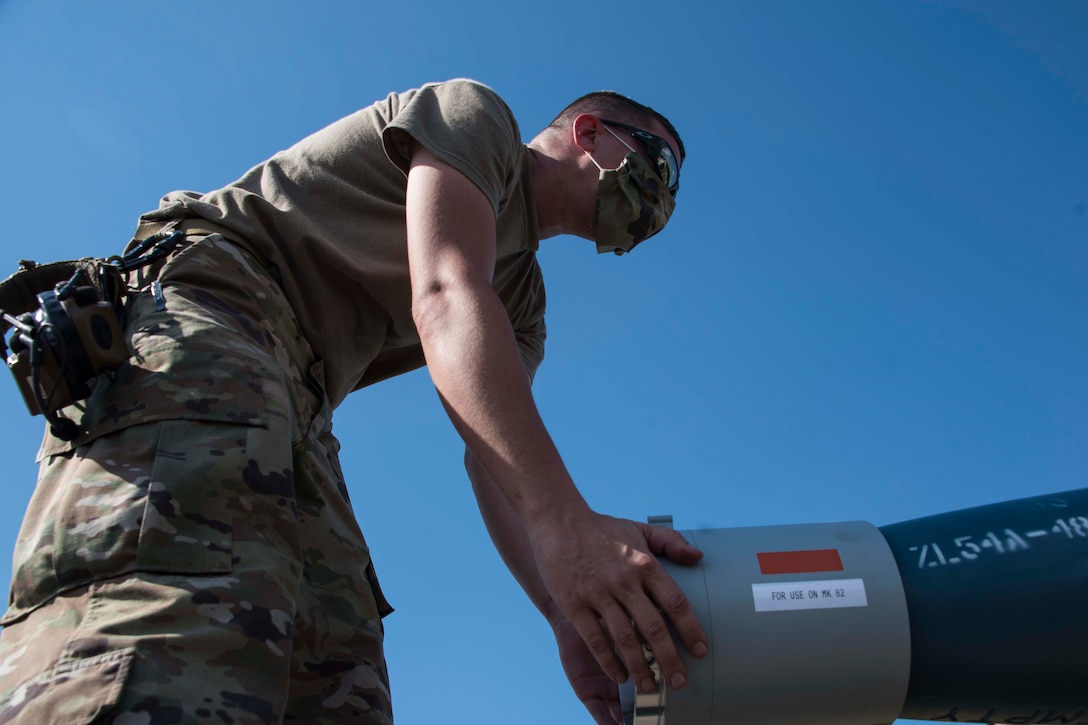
<point x="633" y="204"/>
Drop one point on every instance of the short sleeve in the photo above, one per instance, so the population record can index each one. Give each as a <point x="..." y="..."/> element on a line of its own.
<point x="466" y="125"/>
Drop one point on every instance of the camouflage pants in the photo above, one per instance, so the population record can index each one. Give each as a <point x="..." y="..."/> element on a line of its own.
<point x="192" y="556"/>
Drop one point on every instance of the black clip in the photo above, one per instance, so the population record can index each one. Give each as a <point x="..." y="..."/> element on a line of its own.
<point x="160" y="245"/>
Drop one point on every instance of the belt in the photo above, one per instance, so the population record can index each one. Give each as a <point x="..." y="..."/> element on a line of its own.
<point x="195" y="227"/>
<point x="190" y="227"/>
<point x="190" y="230"/>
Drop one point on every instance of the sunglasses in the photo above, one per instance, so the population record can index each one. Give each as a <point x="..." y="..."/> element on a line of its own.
<point x="668" y="168"/>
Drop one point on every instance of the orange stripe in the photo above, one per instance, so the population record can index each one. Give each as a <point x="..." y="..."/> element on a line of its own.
<point x="799" y="562"/>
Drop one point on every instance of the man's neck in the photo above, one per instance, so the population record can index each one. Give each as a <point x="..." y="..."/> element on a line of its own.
<point x="547" y="192"/>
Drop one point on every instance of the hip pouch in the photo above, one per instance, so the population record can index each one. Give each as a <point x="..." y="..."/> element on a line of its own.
<point x="60" y="326"/>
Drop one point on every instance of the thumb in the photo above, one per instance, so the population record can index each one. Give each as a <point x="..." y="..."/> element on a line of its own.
<point x="671" y="543"/>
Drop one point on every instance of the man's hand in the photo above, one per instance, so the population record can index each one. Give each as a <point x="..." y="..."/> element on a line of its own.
<point x="602" y="574"/>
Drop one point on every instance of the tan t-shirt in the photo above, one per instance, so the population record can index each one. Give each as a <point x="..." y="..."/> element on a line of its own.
<point x="329" y="211"/>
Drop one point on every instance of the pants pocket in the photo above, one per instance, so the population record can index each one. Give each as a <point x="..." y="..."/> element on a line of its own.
<point x="160" y="498"/>
<point x="188" y="515"/>
<point x="74" y="692"/>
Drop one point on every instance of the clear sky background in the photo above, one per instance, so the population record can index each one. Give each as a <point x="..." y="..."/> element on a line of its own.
<point x="871" y="302"/>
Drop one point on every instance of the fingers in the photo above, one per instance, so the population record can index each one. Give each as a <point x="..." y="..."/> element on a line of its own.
<point x="628" y="631"/>
<point x="676" y="607"/>
<point x="641" y="620"/>
<point x="654" y="631"/>
<point x="668" y="596"/>
<point x="599" y="643"/>
<point x="670" y="543"/>
<point x="663" y="602"/>
<point x="616" y="638"/>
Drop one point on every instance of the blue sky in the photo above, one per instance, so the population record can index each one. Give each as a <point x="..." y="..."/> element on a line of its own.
<point x="870" y="303"/>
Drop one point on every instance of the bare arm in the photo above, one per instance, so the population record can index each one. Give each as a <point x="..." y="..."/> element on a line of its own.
<point x="469" y="344"/>
<point x="595" y="568"/>
<point x="510" y="539"/>
<point x="597" y="692"/>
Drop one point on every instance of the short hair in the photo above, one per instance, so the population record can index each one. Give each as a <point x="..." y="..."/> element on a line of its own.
<point x="617" y="107"/>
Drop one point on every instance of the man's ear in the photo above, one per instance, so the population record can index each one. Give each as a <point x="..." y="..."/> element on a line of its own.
<point x="585" y="132"/>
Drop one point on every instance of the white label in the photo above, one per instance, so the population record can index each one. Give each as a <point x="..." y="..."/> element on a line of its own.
<point x="823" y="594"/>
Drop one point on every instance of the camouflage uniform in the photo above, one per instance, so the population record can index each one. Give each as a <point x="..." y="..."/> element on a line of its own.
<point x="192" y="556"/>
